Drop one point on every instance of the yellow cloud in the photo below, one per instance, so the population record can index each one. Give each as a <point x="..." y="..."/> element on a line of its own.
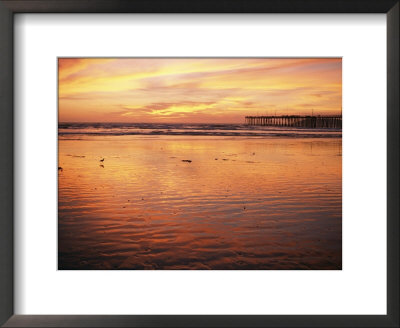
<point x="151" y="89"/>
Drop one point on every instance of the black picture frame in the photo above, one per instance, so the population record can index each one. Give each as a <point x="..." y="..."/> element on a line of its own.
<point x="10" y="7"/>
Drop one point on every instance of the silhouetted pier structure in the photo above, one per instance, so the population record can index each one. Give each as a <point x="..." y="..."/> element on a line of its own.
<point x="334" y="122"/>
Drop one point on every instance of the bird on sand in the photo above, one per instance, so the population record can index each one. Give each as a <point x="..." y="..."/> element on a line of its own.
<point x="102" y="160"/>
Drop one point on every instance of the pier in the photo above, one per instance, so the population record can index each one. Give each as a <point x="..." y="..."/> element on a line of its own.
<point x="333" y="122"/>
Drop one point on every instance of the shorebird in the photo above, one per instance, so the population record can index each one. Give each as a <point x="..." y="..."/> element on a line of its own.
<point x="102" y="160"/>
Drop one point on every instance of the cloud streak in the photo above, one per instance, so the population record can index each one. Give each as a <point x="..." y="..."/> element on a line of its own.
<point x="196" y="90"/>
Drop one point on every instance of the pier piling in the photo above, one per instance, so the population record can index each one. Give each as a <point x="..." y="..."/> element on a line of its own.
<point x="332" y="122"/>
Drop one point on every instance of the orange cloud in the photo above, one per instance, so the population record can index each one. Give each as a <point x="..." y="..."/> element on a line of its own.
<point x="196" y="90"/>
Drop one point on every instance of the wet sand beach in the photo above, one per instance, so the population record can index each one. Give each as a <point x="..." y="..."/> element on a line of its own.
<point x="199" y="202"/>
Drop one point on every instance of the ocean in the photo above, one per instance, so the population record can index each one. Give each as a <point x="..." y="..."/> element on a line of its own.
<point x="228" y="130"/>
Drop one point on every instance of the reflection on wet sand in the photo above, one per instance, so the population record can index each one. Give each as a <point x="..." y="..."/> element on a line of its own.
<point x="199" y="202"/>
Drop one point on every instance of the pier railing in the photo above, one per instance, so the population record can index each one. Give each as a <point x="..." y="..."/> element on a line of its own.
<point x="334" y="122"/>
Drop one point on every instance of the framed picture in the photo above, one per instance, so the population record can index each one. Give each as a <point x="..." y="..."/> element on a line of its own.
<point x="203" y="164"/>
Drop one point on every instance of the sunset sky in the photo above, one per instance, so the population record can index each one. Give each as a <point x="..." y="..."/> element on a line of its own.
<point x="209" y="90"/>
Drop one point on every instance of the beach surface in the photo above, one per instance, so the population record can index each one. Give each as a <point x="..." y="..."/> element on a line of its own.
<point x="199" y="202"/>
